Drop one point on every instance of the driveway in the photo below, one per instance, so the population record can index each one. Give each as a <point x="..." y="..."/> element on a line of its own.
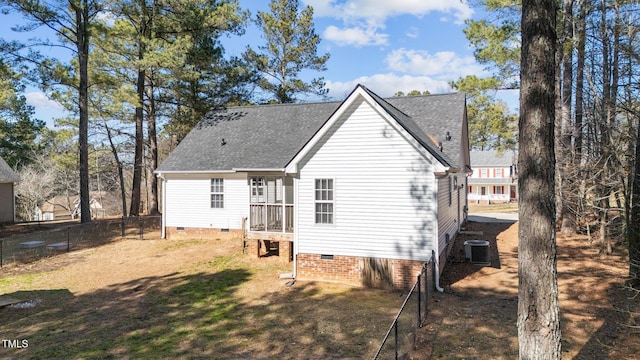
<point x="497" y="217"/>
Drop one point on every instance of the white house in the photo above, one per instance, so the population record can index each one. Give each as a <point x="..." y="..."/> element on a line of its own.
<point x="8" y="179"/>
<point x="337" y="187"/>
<point x="66" y="207"/>
<point x="494" y="178"/>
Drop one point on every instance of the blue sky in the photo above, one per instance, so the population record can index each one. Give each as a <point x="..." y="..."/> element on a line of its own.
<point x="388" y="46"/>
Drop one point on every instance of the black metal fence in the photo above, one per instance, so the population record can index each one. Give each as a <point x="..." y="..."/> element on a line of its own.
<point x="31" y="246"/>
<point x="401" y="337"/>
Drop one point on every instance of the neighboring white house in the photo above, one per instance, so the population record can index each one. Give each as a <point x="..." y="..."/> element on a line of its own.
<point x="337" y="187"/>
<point x="8" y="179"/>
<point x="494" y="178"/>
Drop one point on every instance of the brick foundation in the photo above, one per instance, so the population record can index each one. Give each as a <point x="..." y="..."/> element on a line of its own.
<point x="348" y="269"/>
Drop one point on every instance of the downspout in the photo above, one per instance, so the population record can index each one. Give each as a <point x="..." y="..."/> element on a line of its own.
<point x="436" y="250"/>
<point x="436" y="262"/>
<point x="13" y="196"/>
<point x="295" y="227"/>
<point x="163" y="234"/>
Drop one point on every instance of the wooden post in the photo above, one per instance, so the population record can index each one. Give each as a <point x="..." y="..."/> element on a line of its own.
<point x="244" y="234"/>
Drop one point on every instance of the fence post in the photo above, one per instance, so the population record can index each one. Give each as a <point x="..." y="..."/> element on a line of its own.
<point x="122" y="227"/>
<point x="68" y="239"/>
<point x="140" y="224"/>
<point x="396" y="336"/>
<point x="419" y="302"/>
<point x="1" y="242"/>
<point x="427" y="290"/>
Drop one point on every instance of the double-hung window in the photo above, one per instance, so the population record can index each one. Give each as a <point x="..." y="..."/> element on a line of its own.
<point x="217" y="193"/>
<point x="324" y="201"/>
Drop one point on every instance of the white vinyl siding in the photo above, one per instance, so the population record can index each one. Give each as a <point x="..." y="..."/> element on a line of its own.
<point x="384" y="191"/>
<point x="448" y="212"/>
<point x="188" y="201"/>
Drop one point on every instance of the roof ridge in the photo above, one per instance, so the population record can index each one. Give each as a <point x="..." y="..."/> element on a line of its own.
<point x="425" y="95"/>
<point x="379" y="98"/>
<point x="274" y="105"/>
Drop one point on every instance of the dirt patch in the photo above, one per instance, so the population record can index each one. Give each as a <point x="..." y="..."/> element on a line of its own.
<point x="475" y="318"/>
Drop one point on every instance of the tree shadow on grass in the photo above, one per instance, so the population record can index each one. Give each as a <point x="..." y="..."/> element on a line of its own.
<point x="199" y="316"/>
<point x="166" y="316"/>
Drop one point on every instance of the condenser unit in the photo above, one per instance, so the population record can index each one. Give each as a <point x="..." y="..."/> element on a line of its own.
<point x="477" y="252"/>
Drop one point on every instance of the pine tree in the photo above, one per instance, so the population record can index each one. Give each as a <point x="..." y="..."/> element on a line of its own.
<point x="71" y="20"/>
<point x="292" y="46"/>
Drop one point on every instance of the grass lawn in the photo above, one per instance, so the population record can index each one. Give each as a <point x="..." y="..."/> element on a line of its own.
<point x="161" y="299"/>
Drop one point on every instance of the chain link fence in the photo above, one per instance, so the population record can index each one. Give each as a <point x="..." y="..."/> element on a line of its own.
<point x="32" y="246"/>
<point x="400" y="340"/>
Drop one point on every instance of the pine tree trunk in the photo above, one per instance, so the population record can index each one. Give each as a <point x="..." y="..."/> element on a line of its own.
<point x="134" y="209"/>
<point x="153" y="147"/>
<point x="538" y="314"/>
<point x="82" y="43"/>
<point x="633" y="235"/>
<point x="568" y="181"/>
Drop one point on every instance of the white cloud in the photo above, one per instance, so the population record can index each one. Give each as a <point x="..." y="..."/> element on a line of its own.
<point x="361" y="34"/>
<point x="383" y="9"/>
<point x="413" y="32"/>
<point x="41" y="102"/>
<point x="386" y="85"/>
<point x="446" y="65"/>
<point x="363" y="19"/>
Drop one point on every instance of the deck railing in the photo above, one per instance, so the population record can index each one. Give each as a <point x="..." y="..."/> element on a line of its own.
<point x="269" y="217"/>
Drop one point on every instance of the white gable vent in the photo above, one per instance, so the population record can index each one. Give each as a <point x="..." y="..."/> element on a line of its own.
<point x="477" y="251"/>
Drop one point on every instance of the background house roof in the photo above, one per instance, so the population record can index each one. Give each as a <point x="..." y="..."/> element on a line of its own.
<point x="6" y="172"/>
<point x="492" y="158"/>
<point x="269" y="136"/>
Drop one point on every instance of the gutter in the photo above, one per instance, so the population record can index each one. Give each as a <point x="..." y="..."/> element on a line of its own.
<point x="436" y="262"/>
<point x="160" y="172"/>
<point x="234" y="170"/>
<point x="163" y="231"/>
<point x="436" y="250"/>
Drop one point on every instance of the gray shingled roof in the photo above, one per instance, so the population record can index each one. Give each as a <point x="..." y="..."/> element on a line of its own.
<point x="6" y="172"/>
<point x="269" y="136"/>
<point x="438" y="115"/>
<point x="491" y="158"/>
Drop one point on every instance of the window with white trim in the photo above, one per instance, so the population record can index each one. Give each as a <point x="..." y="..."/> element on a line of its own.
<point x="324" y="201"/>
<point x="217" y="193"/>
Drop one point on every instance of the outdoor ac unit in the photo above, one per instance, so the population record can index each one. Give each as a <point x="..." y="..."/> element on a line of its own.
<point x="477" y="251"/>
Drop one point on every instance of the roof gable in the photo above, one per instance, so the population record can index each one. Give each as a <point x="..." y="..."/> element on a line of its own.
<point x="391" y="113"/>
<point x="6" y="172"/>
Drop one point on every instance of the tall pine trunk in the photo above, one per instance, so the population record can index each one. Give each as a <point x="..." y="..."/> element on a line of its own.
<point x="82" y="44"/>
<point x="633" y="235"/>
<point x="538" y="314"/>
<point x="134" y="210"/>
<point x="153" y="145"/>
<point x="567" y="175"/>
